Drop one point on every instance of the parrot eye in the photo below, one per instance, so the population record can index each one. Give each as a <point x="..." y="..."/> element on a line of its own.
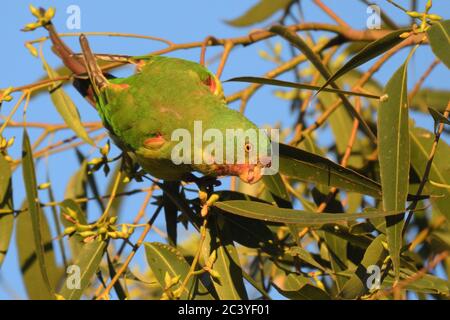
<point x="248" y="147"/>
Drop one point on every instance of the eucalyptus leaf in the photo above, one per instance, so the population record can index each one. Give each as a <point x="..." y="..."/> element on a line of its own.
<point x="29" y="177"/>
<point x="263" y="10"/>
<point x="269" y="213"/>
<point x="439" y="36"/>
<point x="164" y="259"/>
<point x="85" y="265"/>
<point x="371" y="51"/>
<point x="306" y="166"/>
<point x="6" y="204"/>
<point x="393" y="145"/>
<point x="65" y="106"/>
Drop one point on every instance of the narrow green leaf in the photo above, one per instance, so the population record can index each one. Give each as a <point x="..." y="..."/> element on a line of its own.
<point x="357" y="285"/>
<point x="427" y="97"/>
<point x="427" y="283"/>
<point x="298" y="42"/>
<point x="6" y="204"/>
<point x="263" y="10"/>
<point x="288" y="84"/>
<point x="65" y="107"/>
<point x="438" y="118"/>
<point x="305" y="256"/>
<point x="275" y="185"/>
<point x="230" y="286"/>
<point x="267" y="212"/>
<point x="29" y="178"/>
<point x="439" y="36"/>
<point x="35" y="285"/>
<point x="88" y="261"/>
<point x="306" y="166"/>
<point x="421" y="144"/>
<point x="337" y="253"/>
<point x="251" y="233"/>
<point x="341" y="124"/>
<point x="298" y="287"/>
<point x="163" y="258"/>
<point x="372" y="50"/>
<point x="118" y="201"/>
<point x="393" y="146"/>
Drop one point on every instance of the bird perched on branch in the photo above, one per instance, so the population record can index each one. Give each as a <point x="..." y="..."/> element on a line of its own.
<point x="166" y="97"/>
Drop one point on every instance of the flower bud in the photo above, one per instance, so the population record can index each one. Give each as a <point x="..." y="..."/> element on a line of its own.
<point x="213" y="199"/>
<point x="35" y="11"/>
<point x="32" y="49"/>
<point x="44" y="186"/>
<point x="69" y="231"/>
<point x="49" y="14"/>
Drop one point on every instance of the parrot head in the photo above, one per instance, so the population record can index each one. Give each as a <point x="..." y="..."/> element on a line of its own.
<point x="181" y="119"/>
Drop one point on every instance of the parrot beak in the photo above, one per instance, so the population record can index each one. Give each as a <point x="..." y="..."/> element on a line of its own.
<point x="252" y="173"/>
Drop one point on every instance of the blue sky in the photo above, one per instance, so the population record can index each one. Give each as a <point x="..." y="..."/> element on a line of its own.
<point x="177" y="20"/>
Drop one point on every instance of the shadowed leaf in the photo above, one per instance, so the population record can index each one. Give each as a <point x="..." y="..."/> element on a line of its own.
<point x="230" y="286"/>
<point x="6" y="204"/>
<point x="298" y="287"/>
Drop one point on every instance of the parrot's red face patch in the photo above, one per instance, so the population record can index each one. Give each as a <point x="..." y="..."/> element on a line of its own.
<point x="210" y="82"/>
<point x="154" y="142"/>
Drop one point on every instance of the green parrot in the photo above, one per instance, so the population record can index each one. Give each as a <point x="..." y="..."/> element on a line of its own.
<point x="167" y="97"/>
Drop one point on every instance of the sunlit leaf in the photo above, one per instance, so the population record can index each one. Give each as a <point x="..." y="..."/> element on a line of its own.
<point x="357" y="285"/>
<point x="66" y="108"/>
<point x="267" y="212"/>
<point x="427" y="283"/>
<point x="372" y="50"/>
<point x="35" y="285"/>
<point x="6" y="204"/>
<point x="164" y="259"/>
<point x="428" y="97"/>
<point x="393" y="146"/>
<point x="306" y="166"/>
<point x="439" y="36"/>
<point x="86" y="263"/>
<point x="263" y="10"/>
<point x="300" y="44"/>
<point x="29" y="177"/>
